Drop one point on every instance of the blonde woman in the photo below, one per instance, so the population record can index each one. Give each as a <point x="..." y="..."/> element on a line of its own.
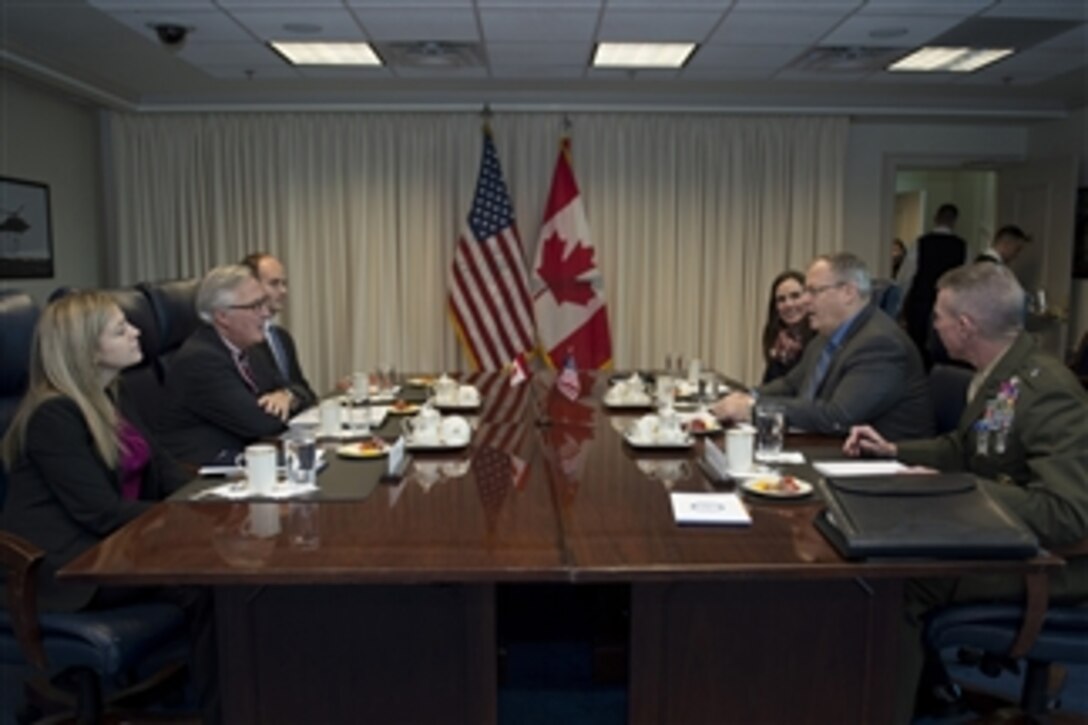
<point x="80" y="465"/>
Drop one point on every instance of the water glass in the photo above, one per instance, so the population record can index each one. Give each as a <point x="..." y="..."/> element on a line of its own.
<point x="770" y="422"/>
<point x="300" y="455"/>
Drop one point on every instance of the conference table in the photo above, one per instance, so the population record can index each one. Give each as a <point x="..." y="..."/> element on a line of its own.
<point x="373" y="600"/>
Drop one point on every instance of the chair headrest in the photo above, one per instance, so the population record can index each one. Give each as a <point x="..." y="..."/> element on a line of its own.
<point x="174" y="303"/>
<point x="18" y="316"/>
<point x="138" y="311"/>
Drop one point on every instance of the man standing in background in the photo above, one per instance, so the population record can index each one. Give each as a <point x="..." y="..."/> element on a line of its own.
<point x="1007" y="245"/>
<point x="931" y="256"/>
<point x="278" y="350"/>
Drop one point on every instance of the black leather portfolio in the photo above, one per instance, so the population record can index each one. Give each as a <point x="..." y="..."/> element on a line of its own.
<point x="922" y="516"/>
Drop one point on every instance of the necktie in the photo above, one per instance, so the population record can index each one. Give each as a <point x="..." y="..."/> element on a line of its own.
<point x="823" y="363"/>
<point x="276" y="345"/>
<point x="242" y="360"/>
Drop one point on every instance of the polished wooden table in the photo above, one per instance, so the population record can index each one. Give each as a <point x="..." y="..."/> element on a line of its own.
<point x="377" y="603"/>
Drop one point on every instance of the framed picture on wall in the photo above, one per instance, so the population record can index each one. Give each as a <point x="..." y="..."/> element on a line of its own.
<point x="1080" y="236"/>
<point x="26" y="232"/>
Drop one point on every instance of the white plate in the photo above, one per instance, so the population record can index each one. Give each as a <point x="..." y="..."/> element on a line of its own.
<point x="766" y="486"/>
<point x="644" y="445"/>
<point x="713" y="425"/>
<point x="754" y="472"/>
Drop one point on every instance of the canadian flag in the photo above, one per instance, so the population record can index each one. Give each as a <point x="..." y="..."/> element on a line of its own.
<point x="568" y="291"/>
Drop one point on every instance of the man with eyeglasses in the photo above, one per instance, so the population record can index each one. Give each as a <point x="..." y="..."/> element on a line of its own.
<point x="278" y="352"/>
<point x="219" y="400"/>
<point x="861" y="368"/>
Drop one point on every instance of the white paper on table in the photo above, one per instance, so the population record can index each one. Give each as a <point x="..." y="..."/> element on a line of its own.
<point x="355" y="416"/>
<point x="792" y="458"/>
<point x="845" y="469"/>
<point x="709" y="508"/>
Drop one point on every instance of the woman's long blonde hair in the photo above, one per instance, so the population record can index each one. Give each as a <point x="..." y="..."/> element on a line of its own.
<point x="63" y="361"/>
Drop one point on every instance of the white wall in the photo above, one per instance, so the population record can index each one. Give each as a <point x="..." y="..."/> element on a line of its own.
<point x="1062" y="138"/>
<point x="50" y="138"/>
<point x="876" y="148"/>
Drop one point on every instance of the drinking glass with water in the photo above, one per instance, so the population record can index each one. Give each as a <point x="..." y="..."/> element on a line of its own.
<point x="770" y="422"/>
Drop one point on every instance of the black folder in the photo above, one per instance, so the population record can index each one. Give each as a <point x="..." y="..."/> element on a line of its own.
<point x="921" y="516"/>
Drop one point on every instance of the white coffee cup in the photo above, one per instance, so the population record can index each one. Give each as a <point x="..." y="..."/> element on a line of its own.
<point x="329" y="412"/>
<point x="259" y="462"/>
<point x="739" y="444"/>
<point x="468" y="395"/>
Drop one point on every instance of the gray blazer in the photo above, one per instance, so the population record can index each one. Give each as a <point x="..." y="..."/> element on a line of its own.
<point x="876" y="377"/>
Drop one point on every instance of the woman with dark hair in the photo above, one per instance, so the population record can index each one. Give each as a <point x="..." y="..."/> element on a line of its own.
<point x="787" y="331"/>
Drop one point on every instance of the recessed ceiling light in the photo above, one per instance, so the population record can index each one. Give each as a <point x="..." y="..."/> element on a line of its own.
<point x="936" y="59"/>
<point x="642" y="55"/>
<point x="342" y="53"/>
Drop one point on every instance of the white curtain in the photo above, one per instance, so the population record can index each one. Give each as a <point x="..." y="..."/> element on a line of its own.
<point x="692" y="215"/>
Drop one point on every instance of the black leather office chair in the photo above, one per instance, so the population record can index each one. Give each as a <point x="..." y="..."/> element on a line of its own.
<point x="143" y="384"/>
<point x="997" y="630"/>
<point x="86" y="665"/>
<point x="948" y="391"/>
<point x="174" y="305"/>
<point x="18" y="316"/>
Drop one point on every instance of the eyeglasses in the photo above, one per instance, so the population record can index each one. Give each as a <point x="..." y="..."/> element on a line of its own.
<point x="254" y="306"/>
<point x="822" y="288"/>
<point x="788" y="297"/>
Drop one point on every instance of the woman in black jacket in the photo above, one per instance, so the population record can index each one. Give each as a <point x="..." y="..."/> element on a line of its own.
<point x="787" y="330"/>
<point x="80" y="465"/>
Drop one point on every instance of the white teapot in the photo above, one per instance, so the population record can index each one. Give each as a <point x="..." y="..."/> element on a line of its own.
<point x="423" y="428"/>
<point x="446" y="390"/>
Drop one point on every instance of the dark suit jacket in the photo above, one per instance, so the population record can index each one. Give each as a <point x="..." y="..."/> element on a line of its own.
<point x="295" y="381"/>
<point x="64" y="499"/>
<point x="211" y="407"/>
<point x="875" y="377"/>
<point x="1042" y="475"/>
<point x="937" y="253"/>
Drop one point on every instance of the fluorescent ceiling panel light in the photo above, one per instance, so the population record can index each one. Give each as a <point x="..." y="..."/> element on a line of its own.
<point x="936" y="59"/>
<point x="327" y="53"/>
<point x="642" y="55"/>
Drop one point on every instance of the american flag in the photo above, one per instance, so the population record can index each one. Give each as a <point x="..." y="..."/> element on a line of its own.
<point x="568" y="382"/>
<point x="489" y="291"/>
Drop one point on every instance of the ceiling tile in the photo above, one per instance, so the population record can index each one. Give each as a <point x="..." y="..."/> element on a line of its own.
<point x="537" y="24"/>
<point x="346" y="74"/>
<point x="1035" y="61"/>
<point x="728" y="73"/>
<point x="242" y="72"/>
<point x="165" y="5"/>
<point x="958" y="8"/>
<point x="799" y="6"/>
<point x="821" y="77"/>
<point x="1054" y="9"/>
<point x="1072" y="41"/>
<point x="419" y="23"/>
<point x="252" y="54"/>
<point x="280" y="4"/>
<point x="746" y="56"/>
<point x="763" y="28"/>
<point x="657" y="25"/>
<point x="539" y="53"/>
<point x="538" y="71"/>
<point x="864" y="30"/>
<point x="403" y="72"/>
<point x="205" y="26"/>
<point x="542" y="4"/>
<point x="671" y="4"/>
<point x="408" y="4"/>
<point x="331" y="24"/>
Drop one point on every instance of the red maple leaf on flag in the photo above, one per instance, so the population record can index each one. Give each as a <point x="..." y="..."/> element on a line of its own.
<point x="561" y="272"/>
